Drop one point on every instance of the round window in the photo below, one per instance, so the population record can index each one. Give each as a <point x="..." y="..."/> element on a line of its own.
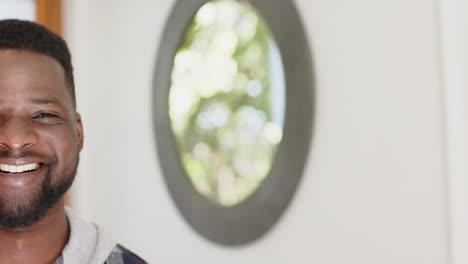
<point x="233" y="113"/>
<point x="226" y="101"/>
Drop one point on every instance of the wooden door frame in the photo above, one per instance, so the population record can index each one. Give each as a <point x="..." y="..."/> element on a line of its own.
<point x="49" y="14"/>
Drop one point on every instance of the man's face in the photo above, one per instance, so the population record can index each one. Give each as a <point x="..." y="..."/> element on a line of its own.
<point x="40" y="137"/>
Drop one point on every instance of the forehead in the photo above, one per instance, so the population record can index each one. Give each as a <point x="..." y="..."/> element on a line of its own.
<point x="28" y="73"/>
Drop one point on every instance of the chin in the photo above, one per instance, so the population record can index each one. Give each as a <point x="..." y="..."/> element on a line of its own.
<point x="19" y="211"/>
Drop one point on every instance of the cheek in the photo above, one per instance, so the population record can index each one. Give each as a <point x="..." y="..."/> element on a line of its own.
<point x="62" y="141"/>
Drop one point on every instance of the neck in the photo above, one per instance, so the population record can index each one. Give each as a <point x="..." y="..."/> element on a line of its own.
<point x="42" y="242"/>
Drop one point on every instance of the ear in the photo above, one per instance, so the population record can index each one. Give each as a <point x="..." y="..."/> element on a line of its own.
<point x="79" y="130"/>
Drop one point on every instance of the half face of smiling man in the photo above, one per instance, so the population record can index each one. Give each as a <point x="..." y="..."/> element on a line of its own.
<point x="41" y="136"/>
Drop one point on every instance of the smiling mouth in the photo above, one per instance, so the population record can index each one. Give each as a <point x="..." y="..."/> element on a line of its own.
<point x="13" y="169"/>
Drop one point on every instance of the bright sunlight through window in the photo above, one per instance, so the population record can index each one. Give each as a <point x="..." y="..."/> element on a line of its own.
<point x="227" y="101"/>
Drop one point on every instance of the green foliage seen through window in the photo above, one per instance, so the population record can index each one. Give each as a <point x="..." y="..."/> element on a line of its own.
<point x="226" y="101"/>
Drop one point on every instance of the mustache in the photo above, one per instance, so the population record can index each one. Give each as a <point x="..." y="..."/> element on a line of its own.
<point x="22" y="154"/>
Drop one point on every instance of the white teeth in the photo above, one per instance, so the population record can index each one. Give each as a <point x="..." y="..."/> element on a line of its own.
<point x="18" y="169"/>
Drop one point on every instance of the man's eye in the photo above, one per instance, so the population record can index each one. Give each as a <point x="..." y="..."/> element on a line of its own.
<point x="46" y="115"/>
<point x="47" y="118"/>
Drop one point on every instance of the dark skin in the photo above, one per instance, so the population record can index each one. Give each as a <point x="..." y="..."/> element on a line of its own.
<point x="36" y="114"/>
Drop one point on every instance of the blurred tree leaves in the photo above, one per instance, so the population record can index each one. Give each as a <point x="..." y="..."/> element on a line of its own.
<point x="220" y="101"/>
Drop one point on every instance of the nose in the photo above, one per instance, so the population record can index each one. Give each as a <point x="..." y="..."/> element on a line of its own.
<point x="17" y="133"/>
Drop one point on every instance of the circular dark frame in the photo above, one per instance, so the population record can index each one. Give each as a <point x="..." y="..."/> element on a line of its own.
<point x="252" y="218"/>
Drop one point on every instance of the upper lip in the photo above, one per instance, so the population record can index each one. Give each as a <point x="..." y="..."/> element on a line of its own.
<point x="21" y="161"/>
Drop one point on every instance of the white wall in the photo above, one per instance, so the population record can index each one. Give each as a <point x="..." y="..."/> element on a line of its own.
<point x="20" y="9"/>
<point x="374" y="190"/>
<point x="454" y="29"/>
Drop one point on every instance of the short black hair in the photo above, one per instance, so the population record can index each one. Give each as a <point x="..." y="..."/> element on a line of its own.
<point x="29" y="36"/>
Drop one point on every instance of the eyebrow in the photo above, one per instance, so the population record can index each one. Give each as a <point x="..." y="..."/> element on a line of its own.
<point x="43" y="101"/>
<point x="39" y="101"/>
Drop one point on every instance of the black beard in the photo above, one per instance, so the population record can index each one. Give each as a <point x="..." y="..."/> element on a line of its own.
<point x="17" y="215"/>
